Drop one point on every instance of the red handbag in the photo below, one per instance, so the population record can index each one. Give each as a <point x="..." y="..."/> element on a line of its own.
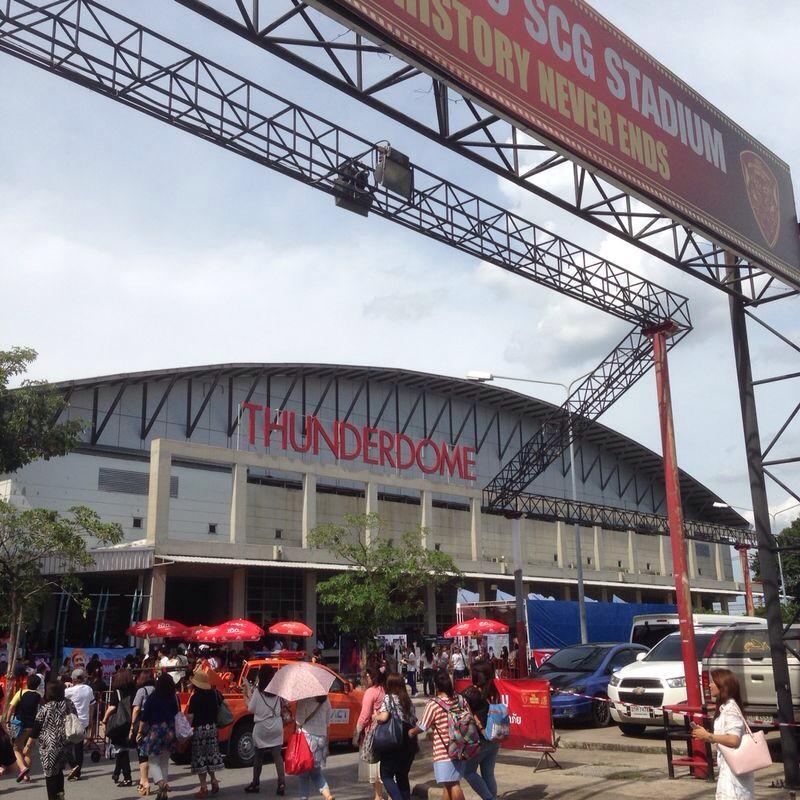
<point x="298" y="756"/>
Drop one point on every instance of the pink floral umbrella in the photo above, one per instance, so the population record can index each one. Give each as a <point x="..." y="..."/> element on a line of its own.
<point x="300" y="681"/>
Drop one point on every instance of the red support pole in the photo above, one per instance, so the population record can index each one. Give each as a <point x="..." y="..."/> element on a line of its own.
<point x="675" y="516"/>
<point x="748" y="588"/>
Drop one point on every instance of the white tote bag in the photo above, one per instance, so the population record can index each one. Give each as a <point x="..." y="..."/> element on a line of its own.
<point x="73" y="729"/>
<point x="752" y="753"/>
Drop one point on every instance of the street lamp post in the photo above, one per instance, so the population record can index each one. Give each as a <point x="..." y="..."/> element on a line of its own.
<point x="486" y="377"/>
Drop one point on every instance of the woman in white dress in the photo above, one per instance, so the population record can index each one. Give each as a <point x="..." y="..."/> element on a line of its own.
<point x="729" y="727"/>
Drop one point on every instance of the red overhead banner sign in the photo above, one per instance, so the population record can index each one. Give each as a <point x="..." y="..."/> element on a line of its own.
<point x="567" y="74"/>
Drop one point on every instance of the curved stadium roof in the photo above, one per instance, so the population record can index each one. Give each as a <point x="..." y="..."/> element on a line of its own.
<point x="695" y="495"/>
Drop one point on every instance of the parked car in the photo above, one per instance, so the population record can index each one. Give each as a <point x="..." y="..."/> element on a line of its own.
<point x="650" y="629"/>
<point x="585" y="669"/>
<point x="236" y="739"/>
<point x="745" y="651"/>
<point x="656" y="679"/>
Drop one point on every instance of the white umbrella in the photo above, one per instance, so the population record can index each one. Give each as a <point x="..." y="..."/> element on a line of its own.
<point x="299" y="681"/>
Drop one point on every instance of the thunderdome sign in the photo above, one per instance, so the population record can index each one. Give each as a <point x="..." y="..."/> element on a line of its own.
<point x="349" y="442"/>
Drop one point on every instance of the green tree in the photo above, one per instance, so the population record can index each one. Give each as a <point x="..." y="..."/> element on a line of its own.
<point x="790" y="560"/>
<point x="29" y="430"/>
<point x="30" y="536"/>
<point x="385" y="581"/>
<point x="28" y="414"/>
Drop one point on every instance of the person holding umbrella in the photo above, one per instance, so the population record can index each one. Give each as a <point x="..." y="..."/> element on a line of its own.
<point x="313" y="715"/>
<point x="308" y="685"/>
<point x="267" y="711"/>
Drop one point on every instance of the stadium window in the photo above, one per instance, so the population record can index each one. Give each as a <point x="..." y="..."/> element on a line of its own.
<point x="278" y="533"/>
<point x="555" y="557"/>
<point x="588" y="560"/>
<point x="437" y="546"/>
<point x="619" y="564"/>
<point x="138" y="522"/>
<point x="212" y="527"/>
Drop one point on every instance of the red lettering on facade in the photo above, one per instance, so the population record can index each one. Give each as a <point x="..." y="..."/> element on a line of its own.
<point x="400" y="439"/>
<point x="450" y="461"/>
<point x="374" y="446"/>
<point x="251" y="419"/>
<point x="368" y="444"/>
<point x="333" y="443"/>
<point x="344" y="429"/>
<point x="270" y="426"/>
<point x="306" y="446"/>
<point x="386" y="448"/>
<point x="420" y="456"/>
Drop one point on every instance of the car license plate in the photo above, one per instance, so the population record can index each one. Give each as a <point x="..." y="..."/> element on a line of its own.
<point x="639" y="712"/>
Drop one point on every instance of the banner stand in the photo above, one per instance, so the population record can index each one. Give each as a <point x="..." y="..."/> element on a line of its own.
<point x="530" y="718"/>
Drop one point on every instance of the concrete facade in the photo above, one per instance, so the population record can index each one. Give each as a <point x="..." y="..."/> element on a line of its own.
<point x="224" y="514"/>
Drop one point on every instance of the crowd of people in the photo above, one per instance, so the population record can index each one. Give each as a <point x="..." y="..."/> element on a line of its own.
<point x="456" y="723"/>
<point x="143" y="716"/>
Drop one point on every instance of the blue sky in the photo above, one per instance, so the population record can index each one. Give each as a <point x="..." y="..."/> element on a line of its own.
<point x="128" y="245"/>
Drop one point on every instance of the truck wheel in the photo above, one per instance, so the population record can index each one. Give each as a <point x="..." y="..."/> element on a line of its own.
<point x="241" y="748"/>
<point x="601" y="711"/>
<point x="629" y="729"/>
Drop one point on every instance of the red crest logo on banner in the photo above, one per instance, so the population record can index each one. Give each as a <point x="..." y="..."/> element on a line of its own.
<point x="763" y="194"/>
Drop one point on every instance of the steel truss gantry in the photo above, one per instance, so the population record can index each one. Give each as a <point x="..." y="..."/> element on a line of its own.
<point x="101" y="50"/>
<point x="320" y="39"/>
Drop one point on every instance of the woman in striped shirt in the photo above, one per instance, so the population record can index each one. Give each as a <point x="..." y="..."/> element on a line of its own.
<point x="436" y="719"/>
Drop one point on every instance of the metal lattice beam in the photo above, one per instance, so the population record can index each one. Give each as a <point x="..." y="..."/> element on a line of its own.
<point x="141" y="69"/>
<point x="312" y="37"/>
<point x="623" y="367"/>
<point x="573" y="512"/>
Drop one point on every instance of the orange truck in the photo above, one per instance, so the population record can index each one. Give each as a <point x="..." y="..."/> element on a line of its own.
<point x="236" y="739"/>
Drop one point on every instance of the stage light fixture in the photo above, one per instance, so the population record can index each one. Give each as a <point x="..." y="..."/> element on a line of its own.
<point x="352" y="189"/>
<point x="394" y="171"/>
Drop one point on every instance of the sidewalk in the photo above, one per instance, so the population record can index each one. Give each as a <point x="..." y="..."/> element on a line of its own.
<point x="599" y="764"/>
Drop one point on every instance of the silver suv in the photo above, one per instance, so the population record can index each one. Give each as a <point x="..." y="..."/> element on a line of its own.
<point x="744" y="650"/>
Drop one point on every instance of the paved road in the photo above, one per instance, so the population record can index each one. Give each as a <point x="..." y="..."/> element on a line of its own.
<point x="596" y="765"/>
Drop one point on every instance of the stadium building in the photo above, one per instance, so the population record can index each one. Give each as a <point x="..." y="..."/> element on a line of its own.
<point x="217" y="474"/>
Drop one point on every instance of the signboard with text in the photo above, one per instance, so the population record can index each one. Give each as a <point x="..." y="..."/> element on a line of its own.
<point x="530" y="719"/>
<point x="569" y="76"/>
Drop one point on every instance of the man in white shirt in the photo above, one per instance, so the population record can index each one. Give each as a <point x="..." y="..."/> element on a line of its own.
<point x="82" y="697"/>
<point x="170" y="663"/>
<point x="458" y="663"/>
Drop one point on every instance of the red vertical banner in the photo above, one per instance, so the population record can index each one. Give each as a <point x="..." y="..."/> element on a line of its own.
<point x="529" y="714"/>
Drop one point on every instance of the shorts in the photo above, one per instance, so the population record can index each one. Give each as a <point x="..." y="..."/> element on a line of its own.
<point x="23" y="737"/>
<point x="447" y="771"/>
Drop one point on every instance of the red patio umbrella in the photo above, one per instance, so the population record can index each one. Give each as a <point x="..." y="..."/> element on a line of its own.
<point x="158" y="629"/>
<point x="477" y="626"/>
<point x="192" y="633"/>
<point x="234" y="630"/>
<point x="291" y="629"/>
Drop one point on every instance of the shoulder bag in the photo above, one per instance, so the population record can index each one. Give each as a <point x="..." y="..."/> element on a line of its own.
<point x="120" y="723"/>
<point x="224" y="714"/>
<point x="752" y="753"/>
<point x="388" y="737"/>
<point x="73" y="728"/>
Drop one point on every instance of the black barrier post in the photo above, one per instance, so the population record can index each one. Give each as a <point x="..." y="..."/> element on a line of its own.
<point x="766" y="543"/>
